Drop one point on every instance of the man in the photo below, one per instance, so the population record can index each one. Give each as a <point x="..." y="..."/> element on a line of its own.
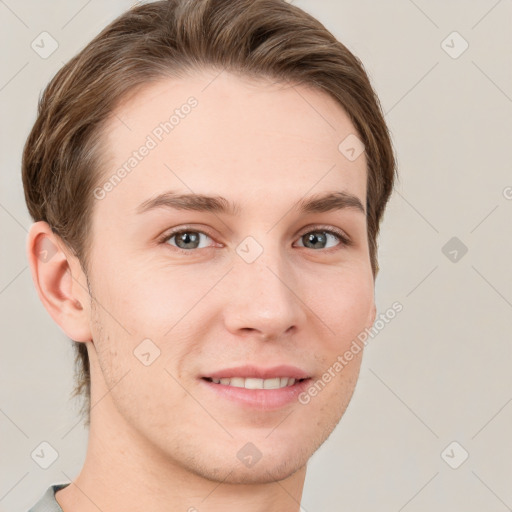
<point x="207" y="180"/>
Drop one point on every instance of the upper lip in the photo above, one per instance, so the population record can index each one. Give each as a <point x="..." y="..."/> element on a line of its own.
<point x="259" y="372"/>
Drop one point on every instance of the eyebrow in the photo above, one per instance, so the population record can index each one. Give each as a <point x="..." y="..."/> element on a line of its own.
<point x="319" y="203"/>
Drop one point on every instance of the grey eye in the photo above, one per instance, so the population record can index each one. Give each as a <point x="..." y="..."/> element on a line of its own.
<point x="188" y="239"/>
<point x="318" y="239"/>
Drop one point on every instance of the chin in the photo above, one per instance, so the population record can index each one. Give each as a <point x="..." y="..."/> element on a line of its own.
<point x="265" y="475"/>
<point x="239" y="461"/>
<point x="261" y="473"/>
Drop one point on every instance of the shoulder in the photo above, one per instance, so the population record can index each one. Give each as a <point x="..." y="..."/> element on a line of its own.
<point x="47" y="502"/>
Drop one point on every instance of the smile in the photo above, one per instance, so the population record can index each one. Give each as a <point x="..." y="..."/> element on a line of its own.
<point x="253" y="383"/>
<point x="257" y="388"/>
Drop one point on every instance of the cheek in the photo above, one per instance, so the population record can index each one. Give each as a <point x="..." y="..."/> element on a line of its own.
<point x="347" y="310"/>
<point x="346" y="307"/>
<point x="143" y="302"/>
<point x="155" y="312"/>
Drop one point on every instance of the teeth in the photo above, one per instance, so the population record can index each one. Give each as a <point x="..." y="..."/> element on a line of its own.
<point x="237" y="382"/>
<point x="253" y="383"/>
<point x="273" y="383"/>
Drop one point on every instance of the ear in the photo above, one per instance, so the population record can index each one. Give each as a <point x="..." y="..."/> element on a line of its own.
<point x="60" y="281"/>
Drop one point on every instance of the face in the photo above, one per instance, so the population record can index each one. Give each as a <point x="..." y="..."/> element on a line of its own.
<point x="258" y="283"/>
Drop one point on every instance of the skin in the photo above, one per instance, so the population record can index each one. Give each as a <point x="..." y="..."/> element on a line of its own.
<point x="159" y="440"/>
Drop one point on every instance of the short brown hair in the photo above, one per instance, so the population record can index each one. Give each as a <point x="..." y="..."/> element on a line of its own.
<point x="256" y="38"/>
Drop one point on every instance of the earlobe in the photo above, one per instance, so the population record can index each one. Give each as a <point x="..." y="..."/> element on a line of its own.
<point x="59" y="281"/>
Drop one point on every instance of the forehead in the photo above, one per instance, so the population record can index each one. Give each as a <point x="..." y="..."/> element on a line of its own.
<point x="223" y="134"/>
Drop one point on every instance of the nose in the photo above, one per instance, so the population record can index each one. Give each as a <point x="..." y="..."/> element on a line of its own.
<point x="264" y="298"/>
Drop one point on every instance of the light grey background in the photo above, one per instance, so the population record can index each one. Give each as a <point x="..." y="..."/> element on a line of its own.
<point x="439" y="372"/>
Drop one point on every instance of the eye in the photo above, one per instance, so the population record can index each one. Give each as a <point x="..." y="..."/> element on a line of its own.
<point x="324" y="239"/>
<point x="187" y="239"/>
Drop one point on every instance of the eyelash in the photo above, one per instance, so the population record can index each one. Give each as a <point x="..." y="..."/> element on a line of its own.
<point x="343" y="238"/>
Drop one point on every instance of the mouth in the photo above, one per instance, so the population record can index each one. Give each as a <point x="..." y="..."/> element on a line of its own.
<point x="250" y="387"/>
<point x="254" y="383"/>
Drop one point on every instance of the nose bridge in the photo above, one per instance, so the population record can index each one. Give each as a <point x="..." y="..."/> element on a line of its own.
<point x="263" y="300"/>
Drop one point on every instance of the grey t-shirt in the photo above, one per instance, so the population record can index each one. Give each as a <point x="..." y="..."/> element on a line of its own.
<point x="48" y="503"/>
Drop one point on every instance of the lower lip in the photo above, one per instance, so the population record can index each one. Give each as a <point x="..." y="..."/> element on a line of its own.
<point x="262" y="399"/>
